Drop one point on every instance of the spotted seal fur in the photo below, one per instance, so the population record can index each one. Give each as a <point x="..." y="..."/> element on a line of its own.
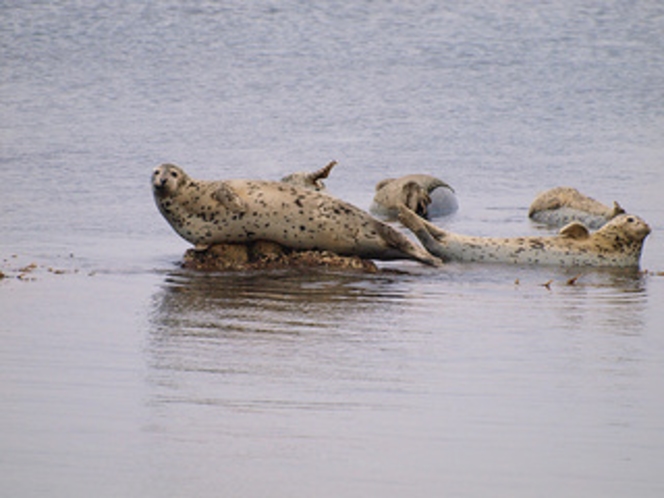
<point x="617" y="244"/>
<point x="427" y="195"/>
<point x="241" y="211"/>
<point x="562" y="205"/>
<point x="312" y="180"/>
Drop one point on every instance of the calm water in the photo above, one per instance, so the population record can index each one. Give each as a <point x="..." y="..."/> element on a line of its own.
<point x="122" y="375"/>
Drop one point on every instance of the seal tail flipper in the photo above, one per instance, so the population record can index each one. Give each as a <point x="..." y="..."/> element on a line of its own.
<point x="437" y="183"/>
<point x="617" y="209"/>
<point x="322" y="173"/>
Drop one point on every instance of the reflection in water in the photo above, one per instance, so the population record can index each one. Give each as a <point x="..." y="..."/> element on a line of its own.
<point x="261" y="327"/>
<point x="267" y="302"/>
<point x="322" y="369"/>
<point x="600" y="346"/>
<point x="611" y="300"/>
<point x="267" y="327"/>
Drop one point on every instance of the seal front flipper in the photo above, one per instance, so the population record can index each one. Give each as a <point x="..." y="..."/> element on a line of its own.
<point x="414" y="223"/>
<point x="416" y="198"/>
<point x="403" y="244"/>
<point x="575" y="230"/>
<point x="421" y="229"/>
<point x="229" y="198"/>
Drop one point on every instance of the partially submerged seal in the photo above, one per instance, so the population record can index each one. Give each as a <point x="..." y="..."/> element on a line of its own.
<point x="562" y="205"/>
<point x="312" y="180"/>
<point x="618" y="244"/>
<point x="242" y="211"/>
<point x="427" y="195"/>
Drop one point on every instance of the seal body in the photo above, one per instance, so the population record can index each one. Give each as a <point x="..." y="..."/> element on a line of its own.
<point x="241" y="211"/>
<point x="427" y="195"/>
<point x="562" y="205"/>
<point x="617" y="244"/>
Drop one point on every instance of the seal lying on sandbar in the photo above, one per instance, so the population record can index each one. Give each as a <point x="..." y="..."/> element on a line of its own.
<point x="240" y="211"/>
<point x="427" y="195"/>
<point x="313" y="180"/>
<point x="561" y="205"/>
<point x="617" y="244"/>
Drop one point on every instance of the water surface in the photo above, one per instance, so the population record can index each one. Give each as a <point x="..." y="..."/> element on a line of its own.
<point x="123" y="375"/>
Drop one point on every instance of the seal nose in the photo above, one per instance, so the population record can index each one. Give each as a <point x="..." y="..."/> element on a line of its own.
<point x="159" y="182"/>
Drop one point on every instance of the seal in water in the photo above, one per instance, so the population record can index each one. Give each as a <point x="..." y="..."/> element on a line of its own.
<point x="240" y="211"/>
<point x="617" y="244"/>
<point x="562" y="205"/>
<point x="313" y="180"/>
<point x="427" y="195"/>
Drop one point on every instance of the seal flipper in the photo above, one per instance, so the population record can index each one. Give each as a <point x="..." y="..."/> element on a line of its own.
<point x="575" y="230"/>
<point x="226" y="196"/>
<point x="416" y="198"/>
<point x="414" y="223"/>
<point x="617" y="209"/>
<point x="422" y="230"/>
<point x="437" y="183"/>
<point x="322" y="173"/>
<point x="310" y="180"/>
<point x="403" y="244"/>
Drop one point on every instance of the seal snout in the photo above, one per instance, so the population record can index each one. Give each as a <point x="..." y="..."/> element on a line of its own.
<point x="159" y="180"/>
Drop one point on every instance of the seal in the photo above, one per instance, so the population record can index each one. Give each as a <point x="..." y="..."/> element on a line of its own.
<point x="427" y="195"/>
<point x="312" y="180"/>
<point x="206" y="213"/>
<point x="562" y="205"/>
<point x="617" y="244"/>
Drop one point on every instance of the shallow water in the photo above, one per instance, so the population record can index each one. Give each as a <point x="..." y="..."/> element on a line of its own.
<point x="123" y="375"/>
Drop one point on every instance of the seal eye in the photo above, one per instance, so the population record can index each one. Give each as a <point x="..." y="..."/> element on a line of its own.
<point x="630" y="220"/>
<point x="174" y="174"/>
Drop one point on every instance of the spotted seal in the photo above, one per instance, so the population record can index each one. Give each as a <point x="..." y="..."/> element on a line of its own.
<point x="427" y="195"/>
<point x="241" y="211"/>
<point x="312" y="180"/>
<point x="562" y="205"/>
<point x="618" y="244"/>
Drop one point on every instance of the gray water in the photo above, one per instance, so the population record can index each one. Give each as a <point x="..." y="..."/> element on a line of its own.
<point x="123" y="375"/>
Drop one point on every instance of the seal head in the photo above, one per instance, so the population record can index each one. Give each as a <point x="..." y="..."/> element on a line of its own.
<point x="426" y="195"/>
<point x="166" y="180"/>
